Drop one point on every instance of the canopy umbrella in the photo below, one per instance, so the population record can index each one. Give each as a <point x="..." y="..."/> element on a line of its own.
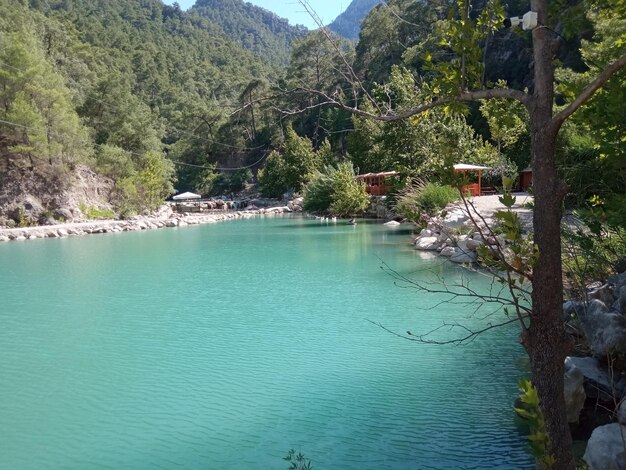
<point x="186" y="196"/>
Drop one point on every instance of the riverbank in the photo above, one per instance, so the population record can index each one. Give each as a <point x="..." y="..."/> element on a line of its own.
<point x="459" y="232"/>
<point x="164" y="218"/>
<point x="595" y="369"/>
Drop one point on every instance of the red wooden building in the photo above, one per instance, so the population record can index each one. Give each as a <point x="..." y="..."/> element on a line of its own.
<point x="377" y="184"/>
<point x="526" y="178"/>
<point x="475" y="189"/>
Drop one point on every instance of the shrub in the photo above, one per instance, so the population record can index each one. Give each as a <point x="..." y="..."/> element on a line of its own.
<point x="318" y="193"/>
<point x="504" y="168"/>
<point x="435" y="197"/>
<point x="593" y="251"/>
<point x="420" y="198"/>
<point x="93" y="213"/>
<point x="336" y="191"/>
<point x="291" y="168"/>
<point x="271" y="180"/>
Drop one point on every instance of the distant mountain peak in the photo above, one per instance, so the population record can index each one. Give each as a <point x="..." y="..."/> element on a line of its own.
<point x="348" y="24"/>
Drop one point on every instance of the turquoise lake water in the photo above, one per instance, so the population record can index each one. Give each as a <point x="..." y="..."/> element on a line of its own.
<point x="223" y="346"/>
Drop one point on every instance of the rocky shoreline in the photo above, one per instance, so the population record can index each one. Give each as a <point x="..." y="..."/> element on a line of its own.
<point x="164" y="218"/>
<point x="595" y="372"/>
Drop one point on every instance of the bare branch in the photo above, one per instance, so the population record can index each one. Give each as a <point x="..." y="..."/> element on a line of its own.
<point x="470" y="335"/>
<point x="509" y="269"/>
<point x="390" y="116"/>
<point x="454" y="291"/>
<point x="355" y="79"/>
<point x="588" y="92"/>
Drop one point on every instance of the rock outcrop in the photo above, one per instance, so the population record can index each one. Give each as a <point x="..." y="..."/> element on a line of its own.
<point x="606" y="449"/>
<point x="575" y="395"/>
<point x="47" y="195"/>
<point x="602" y="319"/>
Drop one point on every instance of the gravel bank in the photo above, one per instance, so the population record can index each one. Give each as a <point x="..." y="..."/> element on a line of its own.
<point x="166" y="219"/>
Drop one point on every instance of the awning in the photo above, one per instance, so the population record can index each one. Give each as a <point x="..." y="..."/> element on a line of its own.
<point x="465" y="166"/>
<point x="184" y="196"/>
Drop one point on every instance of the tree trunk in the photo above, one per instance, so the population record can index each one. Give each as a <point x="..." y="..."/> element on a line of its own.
<point x="546" y="341"/>
<point x="252" y="116"/>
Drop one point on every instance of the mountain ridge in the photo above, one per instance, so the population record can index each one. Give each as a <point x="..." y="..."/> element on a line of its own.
<point x="348" y="23"/>
<point x="255" y="28"/>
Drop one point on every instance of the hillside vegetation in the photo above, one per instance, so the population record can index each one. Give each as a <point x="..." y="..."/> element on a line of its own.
<point x="118" y="86"/>
<point x="154" y="98"/>
<point x="255" y="28"/>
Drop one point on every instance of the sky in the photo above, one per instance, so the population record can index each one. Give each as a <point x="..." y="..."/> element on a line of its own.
<point x="328" y="10"/>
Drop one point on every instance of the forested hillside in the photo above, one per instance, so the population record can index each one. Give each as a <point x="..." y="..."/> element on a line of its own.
<point x="146" y="94"/>
<point x="117" y="85"/>
<point x="255" y="28"/>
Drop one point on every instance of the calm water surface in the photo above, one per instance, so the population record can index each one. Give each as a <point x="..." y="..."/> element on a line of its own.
<point x="223" y="346"/>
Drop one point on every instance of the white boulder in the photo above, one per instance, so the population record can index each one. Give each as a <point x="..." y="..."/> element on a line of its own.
<point x="455" y="219"/>
<point x="426" y="243"/>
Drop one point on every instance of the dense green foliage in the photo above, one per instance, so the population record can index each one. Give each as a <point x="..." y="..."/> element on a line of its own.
<point x="291" y="168"/>
<point x="595" y="249"/>
<point x="257" y="29"/>
<point x="420" y="146"/>
<point x="121" y="85"/>
<point x="114" y="84"/>
<point x="593" y="147"/>
<point x="335" y="190"/>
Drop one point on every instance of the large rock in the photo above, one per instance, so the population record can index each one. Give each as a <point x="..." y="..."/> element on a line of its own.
<point x="620" y="302"/>
<point x="463" y="254"/>
<point x="455" y="219"/>
<point x="426" y="243"/>
<point x="573" y="309"/>
<point x="474" y="244"/>
<point x="603" y="293"/>
<point x="619" y="280"/>
<point x="392" y="223"/>
<point x="606" y="449"/>
<point x="605" y="330"/>
<point x="597" y="382"/>
<point x="575" y="395"/>
<point x="463" y="257"/>
<point x="449" y="251"/>
<point x="64" y="215"/>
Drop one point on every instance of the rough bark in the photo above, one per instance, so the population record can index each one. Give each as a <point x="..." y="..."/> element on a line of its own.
<point x="546" y="341"/>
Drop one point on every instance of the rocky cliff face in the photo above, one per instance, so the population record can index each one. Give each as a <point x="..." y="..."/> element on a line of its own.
<point x="45" y="194"/>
